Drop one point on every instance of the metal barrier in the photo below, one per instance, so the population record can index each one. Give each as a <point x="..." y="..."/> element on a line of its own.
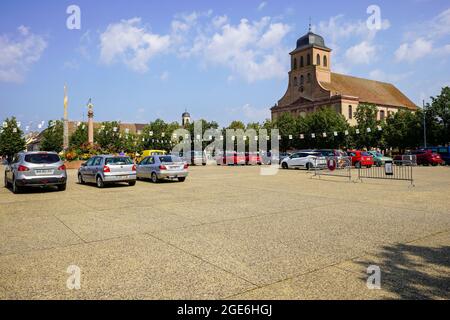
<point x="333" y="167"/>
<point x="399" y="170"/>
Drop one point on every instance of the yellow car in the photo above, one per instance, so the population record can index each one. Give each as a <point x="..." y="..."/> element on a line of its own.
<point x="147" y="153"/>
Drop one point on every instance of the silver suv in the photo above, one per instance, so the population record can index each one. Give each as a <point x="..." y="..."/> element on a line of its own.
<point x="35" y="169"/>
<point x="107" y="169"/>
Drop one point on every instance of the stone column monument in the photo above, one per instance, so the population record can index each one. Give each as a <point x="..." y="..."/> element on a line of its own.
<point x="65" y="122"/>
<point x="90" y="123"/>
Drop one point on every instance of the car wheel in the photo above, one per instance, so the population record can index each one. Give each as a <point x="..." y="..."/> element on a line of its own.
<point x="308" y="166"/>
<point x="358" y="165"/>
<point x="182" y="179"/>
<point x="100" y="183"/>
<point x="284" y="165"/>
<point x="132" y="183"/>
<point x="80" y="179"/>
<point x="15" y="188"/>
<point x="154" y="178"/>
<point x="62" y="187"/>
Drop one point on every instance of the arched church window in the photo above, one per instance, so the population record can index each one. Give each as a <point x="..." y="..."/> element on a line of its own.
<point x="295" y="63"/>
<point x="302" y="80"/>
<point x="318" y="59"/>
<point x="308" y="60"/>
<point x="325" y="61"/>
<point x="302" y="64"/>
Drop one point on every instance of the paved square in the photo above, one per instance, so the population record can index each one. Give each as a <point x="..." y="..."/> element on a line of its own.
<point x="230" y="233"/>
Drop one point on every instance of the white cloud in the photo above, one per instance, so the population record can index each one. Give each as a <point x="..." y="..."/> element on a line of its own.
<point x="219" y="21"/>
<point x="337" y="29"/>
<point x="250" y="113"/>
<point x="420" y="41"/>
<point x="19" y="54"/>
<point x="411" y="52"/>
<point x="251" y="50"/>
<point x="362" y="53"/>
<point x="353" y="43"/>
<point x="262" y="5"/>
<point x="131" y="43"/>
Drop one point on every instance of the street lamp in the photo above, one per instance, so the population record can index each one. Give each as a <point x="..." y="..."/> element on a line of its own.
<point x="424" y="125"/>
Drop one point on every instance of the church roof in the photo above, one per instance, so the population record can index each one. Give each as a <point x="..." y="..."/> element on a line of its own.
<point x="311" y="39"/>
<point x="369" y="91"/>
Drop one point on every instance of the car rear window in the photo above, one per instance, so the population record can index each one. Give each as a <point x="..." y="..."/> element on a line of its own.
<point x="42" y="158"/>
<point x="118" y="161"/>
<point x="166" y="159"/>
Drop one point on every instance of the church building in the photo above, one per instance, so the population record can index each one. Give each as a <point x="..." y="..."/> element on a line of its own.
<point x="312" y="86"/>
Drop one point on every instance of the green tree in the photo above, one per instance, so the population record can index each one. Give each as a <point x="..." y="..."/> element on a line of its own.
<point x="79" y="137"/>
<point x="403" y="130"/>
<point x="11" y="138"/>
<point x="325" y="121"/>
<point x="366" y="115"/>
<point x="235" y="125"/>
<point x="109" y="137"/>
<point x="52" y="137"/>
<point x="440" y="111"/>
<point x="287" y="126"/>
<point x="158" y="135"/>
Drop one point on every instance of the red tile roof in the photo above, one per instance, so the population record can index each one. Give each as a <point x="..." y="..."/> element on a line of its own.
<point x="369" y="91"/>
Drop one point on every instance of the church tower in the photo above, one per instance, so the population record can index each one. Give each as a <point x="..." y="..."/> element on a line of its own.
<point x="185" y="119"/>
<point x="310" y="65"/>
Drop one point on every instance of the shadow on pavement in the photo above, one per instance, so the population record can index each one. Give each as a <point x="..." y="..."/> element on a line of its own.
<point x="414" y="272"/>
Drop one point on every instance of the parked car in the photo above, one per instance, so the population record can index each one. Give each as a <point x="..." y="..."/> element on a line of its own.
<point x="283" y="155"/>
<point x="106" y="169"/>
<point x="196" y="158"/>
<point x="160" y="167"/>
<point x="378" y="158"/>
<point x="272" y="158"/>
<point x="425" y="157"/>
<point x="231" y="158"/>
<point x="361" y="158"/>
<point x="444" y="152"/>
<point x="35" y="169"/>
<point x="307" y="160"/>
<point x="252" y="158"/>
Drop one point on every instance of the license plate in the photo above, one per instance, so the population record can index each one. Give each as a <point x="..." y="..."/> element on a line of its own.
<point x="175" y="168"/>
<point x="44" y="172"/>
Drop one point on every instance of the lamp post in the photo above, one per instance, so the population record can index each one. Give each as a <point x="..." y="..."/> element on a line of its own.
<point x="424" y="124"/>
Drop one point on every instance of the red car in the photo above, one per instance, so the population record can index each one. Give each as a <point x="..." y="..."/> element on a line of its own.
<point x="361" y="158"/>
<point x="427" y="157"/>
<point x="252" y="158"/>
<point x="231" y="158"/>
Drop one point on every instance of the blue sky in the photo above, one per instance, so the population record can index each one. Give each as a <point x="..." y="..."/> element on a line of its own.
<point x="222" y="60"/>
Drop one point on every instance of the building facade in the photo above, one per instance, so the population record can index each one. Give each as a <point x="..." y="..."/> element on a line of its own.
<point x="312" y="85"/>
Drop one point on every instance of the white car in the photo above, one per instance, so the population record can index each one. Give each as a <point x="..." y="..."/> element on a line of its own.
<point x="307" y="160"/>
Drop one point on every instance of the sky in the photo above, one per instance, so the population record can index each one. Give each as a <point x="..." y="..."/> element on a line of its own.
<point x="220" y="60"/>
